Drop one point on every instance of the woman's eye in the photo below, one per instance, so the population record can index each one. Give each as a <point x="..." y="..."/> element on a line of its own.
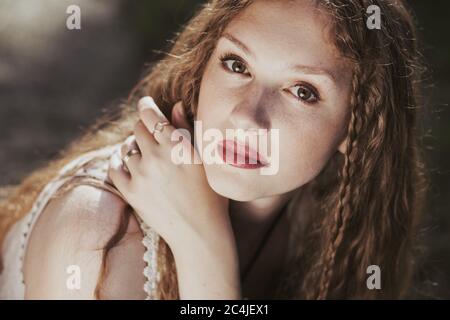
<point x="235" y="66"/>
<point x="304" y="93"/>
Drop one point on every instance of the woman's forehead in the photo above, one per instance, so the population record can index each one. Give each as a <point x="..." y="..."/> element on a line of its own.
<point x="289" y="31"/>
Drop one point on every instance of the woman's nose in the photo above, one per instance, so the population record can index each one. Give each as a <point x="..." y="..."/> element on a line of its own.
<point x="252" y="112"/>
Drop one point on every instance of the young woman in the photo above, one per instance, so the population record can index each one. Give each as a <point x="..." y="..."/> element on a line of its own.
<point x="347" y="194"/>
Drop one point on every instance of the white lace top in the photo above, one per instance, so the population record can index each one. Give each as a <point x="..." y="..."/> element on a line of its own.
<point x="91" y="167"/>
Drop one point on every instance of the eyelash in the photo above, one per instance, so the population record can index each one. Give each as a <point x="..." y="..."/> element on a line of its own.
<point x="230" y="56"/>
<point x="311" y="89"/>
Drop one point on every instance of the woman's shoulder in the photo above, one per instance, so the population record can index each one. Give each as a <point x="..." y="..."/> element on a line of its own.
<point x="72" y="230"/>
<point x="87" y="209"/>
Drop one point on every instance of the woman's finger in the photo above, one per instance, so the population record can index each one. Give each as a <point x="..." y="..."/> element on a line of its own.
<point x="154" y="120"/>
<point x="116" y="174"/>
<point x="145" y="140"/>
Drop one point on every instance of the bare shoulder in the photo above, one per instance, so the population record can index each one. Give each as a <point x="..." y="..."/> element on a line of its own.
<point x="68" y="240"/>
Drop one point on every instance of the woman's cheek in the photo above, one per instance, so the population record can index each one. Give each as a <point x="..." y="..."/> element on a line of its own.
<point x="216" y="103"/>
<point x="305" y="151"/>
<point x="213" y="91"/>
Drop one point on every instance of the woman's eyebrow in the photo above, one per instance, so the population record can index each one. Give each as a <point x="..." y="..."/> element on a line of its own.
<point x="299" y="68"/>
<point x="238" y="43"/>
<point x="314" y="71"/>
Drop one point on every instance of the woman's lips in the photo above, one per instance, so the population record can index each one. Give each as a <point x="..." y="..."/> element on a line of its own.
<point x="240" y="155"/>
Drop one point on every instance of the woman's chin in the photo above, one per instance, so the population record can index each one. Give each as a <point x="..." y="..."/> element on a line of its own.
<point x="234" y="191"/>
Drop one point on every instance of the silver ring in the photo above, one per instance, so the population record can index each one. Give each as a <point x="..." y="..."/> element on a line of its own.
<point x="127" y="157"/>
<point x="159" y="126"/>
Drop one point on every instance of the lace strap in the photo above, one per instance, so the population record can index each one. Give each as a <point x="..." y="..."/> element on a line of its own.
<point x="152" y="275"/>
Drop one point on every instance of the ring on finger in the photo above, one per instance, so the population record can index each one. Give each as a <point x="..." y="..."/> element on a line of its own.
<point x="127" y="157"/>
<point x="159" y="126"/>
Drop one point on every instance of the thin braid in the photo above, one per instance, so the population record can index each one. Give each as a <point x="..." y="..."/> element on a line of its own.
<point x="344" y="209"/>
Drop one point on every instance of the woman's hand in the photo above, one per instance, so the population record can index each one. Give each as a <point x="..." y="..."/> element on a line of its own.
<point x="175" y="200"/>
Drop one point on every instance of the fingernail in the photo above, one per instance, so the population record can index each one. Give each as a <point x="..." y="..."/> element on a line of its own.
<point x="130" y="139"/>
<point x="115" y="161"/>
<point x="146" y="102"/>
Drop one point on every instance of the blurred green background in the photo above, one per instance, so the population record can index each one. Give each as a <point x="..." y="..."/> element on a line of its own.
<point x="54" y="82"/>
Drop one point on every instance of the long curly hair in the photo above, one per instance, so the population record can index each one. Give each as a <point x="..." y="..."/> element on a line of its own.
<point x="365" y="204"/>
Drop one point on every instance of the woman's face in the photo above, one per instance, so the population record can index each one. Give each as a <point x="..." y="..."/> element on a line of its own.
<point x="275" y="67"/>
